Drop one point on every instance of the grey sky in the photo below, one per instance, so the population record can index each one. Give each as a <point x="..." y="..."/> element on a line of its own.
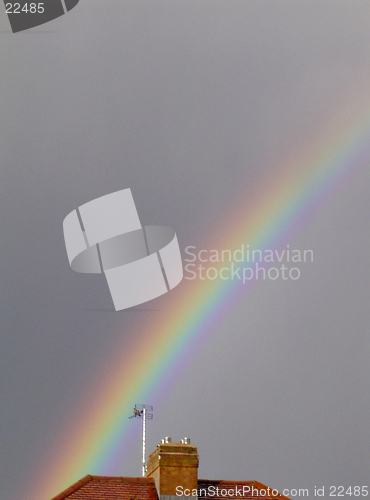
<point x="190" y="104"/>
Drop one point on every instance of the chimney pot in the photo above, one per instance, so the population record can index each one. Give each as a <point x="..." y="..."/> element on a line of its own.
<point x="166" y="440"/>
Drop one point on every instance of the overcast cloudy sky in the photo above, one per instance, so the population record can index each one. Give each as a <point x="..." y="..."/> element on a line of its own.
<point x="194" y="105"/>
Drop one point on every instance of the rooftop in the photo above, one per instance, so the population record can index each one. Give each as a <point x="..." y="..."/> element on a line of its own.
<point x="143" y="488"/>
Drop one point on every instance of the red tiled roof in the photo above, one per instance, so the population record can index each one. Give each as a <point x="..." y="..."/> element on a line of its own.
<point x="143" y="488"/>
<point x="111" y="488"/>
<point x="247" y="490"/>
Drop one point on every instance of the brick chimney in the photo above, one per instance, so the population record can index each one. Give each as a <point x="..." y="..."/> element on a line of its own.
<point x="172" y="465"/>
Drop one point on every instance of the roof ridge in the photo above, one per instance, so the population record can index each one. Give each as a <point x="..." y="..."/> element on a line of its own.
<point x="227" y="481"/>
<point x="125" y="479"/>
<point x="76" y="486"/>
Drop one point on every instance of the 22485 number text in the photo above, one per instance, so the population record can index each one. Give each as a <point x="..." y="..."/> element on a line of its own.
<point x="28" y="8"/>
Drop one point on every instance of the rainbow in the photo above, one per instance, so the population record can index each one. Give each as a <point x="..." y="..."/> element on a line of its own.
<point x="317" y="169"/>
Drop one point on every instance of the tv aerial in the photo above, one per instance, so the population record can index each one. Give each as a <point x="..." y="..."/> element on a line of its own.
<point x="141" y="411"/>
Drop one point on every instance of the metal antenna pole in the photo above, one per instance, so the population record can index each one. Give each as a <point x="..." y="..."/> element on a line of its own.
<point x="141" y="411"/>
<point x="144" y="429"/>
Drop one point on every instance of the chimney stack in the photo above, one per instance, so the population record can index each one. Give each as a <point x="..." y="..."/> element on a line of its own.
<point x="172" y="465"/>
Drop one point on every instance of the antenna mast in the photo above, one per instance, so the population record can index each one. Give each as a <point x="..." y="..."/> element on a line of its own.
<point x="144" y="441"/>
<point x="141" y="411"/>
